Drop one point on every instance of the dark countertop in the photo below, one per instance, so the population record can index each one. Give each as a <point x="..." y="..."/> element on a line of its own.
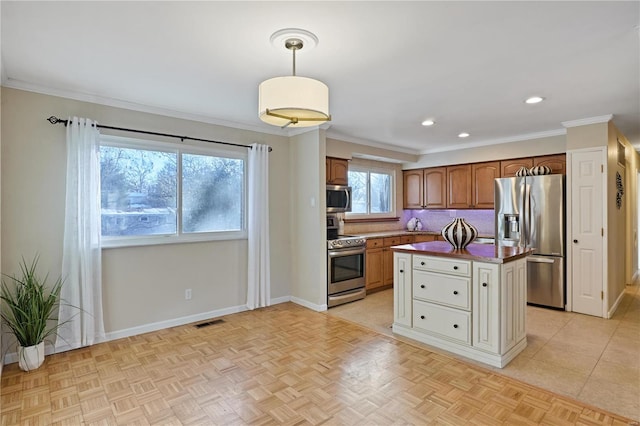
<point x="480" y="252"/>
<point x="402" y="232"/>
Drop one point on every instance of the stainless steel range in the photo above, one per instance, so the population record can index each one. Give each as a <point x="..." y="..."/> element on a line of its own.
<point x="345" y="266"/>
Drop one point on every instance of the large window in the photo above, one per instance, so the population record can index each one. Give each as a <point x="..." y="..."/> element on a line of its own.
<point x="149" y="192"/>
<point x="372" y="191"/>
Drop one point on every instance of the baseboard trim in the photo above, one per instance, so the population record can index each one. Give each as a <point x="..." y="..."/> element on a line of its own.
<point x="615" y="306"/>
<point x="307" y="304"/>
<point x="12" y="357"/>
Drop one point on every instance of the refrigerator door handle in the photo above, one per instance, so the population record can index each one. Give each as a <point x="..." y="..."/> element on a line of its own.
<point x="539" y="259"/>
<point x="526" y="214"/>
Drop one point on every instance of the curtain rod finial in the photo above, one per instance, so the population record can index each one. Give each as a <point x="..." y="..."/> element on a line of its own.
<point x="53" y="119"/>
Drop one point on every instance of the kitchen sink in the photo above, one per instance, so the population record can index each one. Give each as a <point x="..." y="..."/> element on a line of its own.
<point x="483" y="240"/>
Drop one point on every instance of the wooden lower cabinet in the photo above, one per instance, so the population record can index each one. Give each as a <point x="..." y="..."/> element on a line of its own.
<point x="423" y="238"/>
<point x="387" y="259"/>
<point x="379" y="259"/>
<point x="374" y="275"/>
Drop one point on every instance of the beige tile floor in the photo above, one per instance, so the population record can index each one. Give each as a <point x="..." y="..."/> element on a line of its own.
<point x="591" y="359"/>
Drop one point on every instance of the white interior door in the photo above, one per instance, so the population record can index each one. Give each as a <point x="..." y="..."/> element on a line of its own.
<point x="586" y="239"/>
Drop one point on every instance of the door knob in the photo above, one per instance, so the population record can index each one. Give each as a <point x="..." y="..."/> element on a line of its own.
<point x="575" y="241"/>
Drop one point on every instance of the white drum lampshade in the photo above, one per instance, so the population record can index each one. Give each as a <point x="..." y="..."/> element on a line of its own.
<point x="293" y="101"/>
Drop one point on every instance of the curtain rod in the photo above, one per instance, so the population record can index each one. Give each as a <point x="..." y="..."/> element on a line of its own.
<point x="55" y="120"/>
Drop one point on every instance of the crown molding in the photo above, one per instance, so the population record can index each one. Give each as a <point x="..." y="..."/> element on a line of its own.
<point x="118" y="103"/>
<point x="518" y="138"/>
<point x="333" y="135"/>
<point x="586" y="121"/>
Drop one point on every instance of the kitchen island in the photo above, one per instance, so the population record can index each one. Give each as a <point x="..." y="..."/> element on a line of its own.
<point x="471" y="302"/>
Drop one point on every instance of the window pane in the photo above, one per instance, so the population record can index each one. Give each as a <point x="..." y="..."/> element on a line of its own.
<point x="380" y="193"/>
<point x="212" y="193"/>
<point x="137" y="191"/>
<point x="358" y="184"/>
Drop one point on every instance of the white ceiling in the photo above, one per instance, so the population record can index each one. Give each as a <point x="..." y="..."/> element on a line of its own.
<point x="388" y="65"/>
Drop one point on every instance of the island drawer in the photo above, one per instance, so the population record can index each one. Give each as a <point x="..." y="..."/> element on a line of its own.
<point x="444" y="265"/>
<point x="447" y="322"/>
<point x="444" y="289"/>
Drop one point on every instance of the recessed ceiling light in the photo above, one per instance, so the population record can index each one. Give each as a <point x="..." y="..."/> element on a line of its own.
<point x="463" y="135"/>
<point x="428" y="122"/>
<point x="534" y="100"/>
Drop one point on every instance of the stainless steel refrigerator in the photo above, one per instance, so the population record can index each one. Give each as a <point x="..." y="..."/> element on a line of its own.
<point x="530" y="212"/>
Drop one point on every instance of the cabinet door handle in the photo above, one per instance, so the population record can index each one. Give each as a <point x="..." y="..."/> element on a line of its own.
<point x="455" y="268"/>
<point x="421" y="316"/>
<point x="575" y="241"/>
<point x="484" y="284"/>
<point x="422" y="286"/>
<point x="455" y="325"/>
<point x="455" y="292"/>
<point x="422" y="263"/>
<point x="402" y="271"/>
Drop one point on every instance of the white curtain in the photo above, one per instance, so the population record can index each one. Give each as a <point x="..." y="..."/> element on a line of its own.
<point x="259" y="275"/>
<point x="81" y="258"/>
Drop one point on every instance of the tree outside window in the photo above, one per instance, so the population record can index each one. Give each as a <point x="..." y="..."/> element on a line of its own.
<point x="372" y="191"/>
<point x="147" y="192"/>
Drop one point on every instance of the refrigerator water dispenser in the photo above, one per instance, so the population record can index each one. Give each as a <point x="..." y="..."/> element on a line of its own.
<point x="511" y="227"/>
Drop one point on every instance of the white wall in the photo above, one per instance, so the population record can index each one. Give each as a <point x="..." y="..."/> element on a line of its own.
<point x="525" y="148"/>
<point x="309" y="249"/>
<point x="141" y="285"/>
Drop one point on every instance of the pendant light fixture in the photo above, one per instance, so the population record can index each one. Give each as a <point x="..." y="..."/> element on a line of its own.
<point x="293" y="101"/>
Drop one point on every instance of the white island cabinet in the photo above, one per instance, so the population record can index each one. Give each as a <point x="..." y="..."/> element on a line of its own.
<point x="471" y="302"/>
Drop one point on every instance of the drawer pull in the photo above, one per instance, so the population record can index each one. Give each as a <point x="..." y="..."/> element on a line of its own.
<point x="484" y="284"/>
<point x="402" y="271"/>
<point x="455" y="325"/>
<point x="455" y="268"/>
<point x="455" y="292"/>
<point x="421" y="316"/>
<point x="422" y="285"/>
<point x="422" y="263"/>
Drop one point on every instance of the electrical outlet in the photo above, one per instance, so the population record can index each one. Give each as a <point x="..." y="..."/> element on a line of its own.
<point x="187" y="294"/>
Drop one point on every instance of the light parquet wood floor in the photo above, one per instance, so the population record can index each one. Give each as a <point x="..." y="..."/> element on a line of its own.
<point x="280" y="365"/>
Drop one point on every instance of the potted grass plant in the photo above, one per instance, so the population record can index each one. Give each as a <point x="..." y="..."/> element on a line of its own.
<point x="29" y="310"/>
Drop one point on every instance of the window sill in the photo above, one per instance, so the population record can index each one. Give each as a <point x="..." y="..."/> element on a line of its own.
<point x="372" y="219"/>
<point x="111" y="243"/>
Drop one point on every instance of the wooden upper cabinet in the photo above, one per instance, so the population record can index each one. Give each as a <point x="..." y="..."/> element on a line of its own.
<point x="413" y="188"/>
<point x="435" y="188"/>
<point x="558" y="163"/>
<point x="508" y="168"/>
<point x="459" y="186"/>
<point x="425" y="188"/>
<point x="337" y="171"/>
<point x="482" y="178"/>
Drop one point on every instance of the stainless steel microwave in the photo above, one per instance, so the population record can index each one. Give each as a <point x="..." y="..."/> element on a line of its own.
<point x="338" y="198"/>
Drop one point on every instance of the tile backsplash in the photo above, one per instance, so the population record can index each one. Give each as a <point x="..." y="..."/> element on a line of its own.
<point x="435" y="220"/>
<point x="432" y="220"/>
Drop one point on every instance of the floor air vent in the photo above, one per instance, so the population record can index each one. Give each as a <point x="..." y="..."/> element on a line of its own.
<point x="208" y="323"/>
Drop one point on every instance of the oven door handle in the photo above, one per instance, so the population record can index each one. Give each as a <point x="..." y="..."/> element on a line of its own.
<point x="347" y="252"/>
